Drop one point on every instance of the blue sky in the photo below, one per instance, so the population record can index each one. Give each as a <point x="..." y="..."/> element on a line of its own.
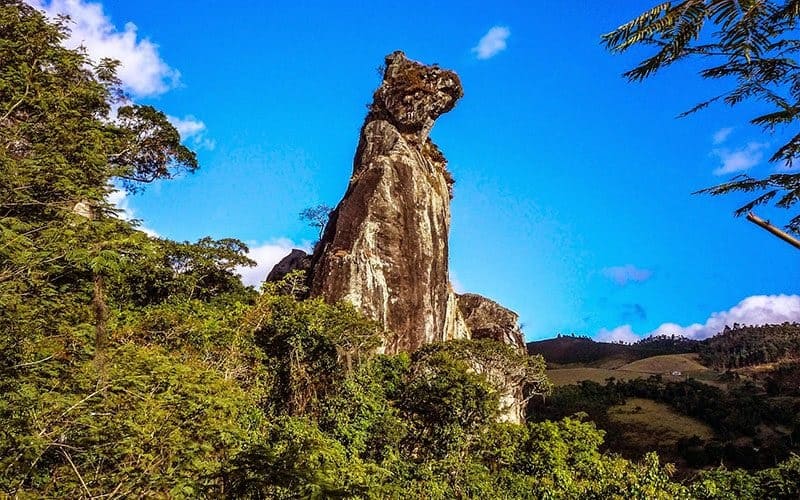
<point x="573" y="201"/>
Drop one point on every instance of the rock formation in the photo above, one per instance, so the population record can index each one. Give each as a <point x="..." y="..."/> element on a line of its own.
<point x="385" y="246"/>
<point x="486" y="319"/>
<point x="297" y="260"/>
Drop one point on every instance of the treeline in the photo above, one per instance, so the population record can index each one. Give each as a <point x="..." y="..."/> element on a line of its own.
<point x="572" y="348"/>
<point x="736" y="346"/>
<point x="666" y="344"/>
<point x="741" y="346"/>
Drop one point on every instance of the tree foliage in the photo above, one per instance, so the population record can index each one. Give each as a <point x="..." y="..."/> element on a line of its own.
<point x="743" y="345"/>
<point x="317" y="217"/>
<point x="60" y="152"/>
<point x="761" y="431"/>
<point x="751" y="43"/>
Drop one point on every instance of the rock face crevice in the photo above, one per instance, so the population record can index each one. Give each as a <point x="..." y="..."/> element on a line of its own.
<point x="385" y="248"/>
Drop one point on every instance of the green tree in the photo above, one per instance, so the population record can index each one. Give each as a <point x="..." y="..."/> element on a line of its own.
<point x="161" y="425"/>
<point x="309" y="345"/>
<point x="154" y="270"/>
<point x="317" y="216"/>
<point x="751" y="42"/>
<point x="60" y="152"/>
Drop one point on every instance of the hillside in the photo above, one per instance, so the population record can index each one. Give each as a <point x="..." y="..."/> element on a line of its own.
<point x="736" y="400"/>
<point x="666" y="364"/>
<point x="566" y="350"/>
<point x="570" y="349"/>
<point x="746" y="346"/>
<point x="746" y="349"/>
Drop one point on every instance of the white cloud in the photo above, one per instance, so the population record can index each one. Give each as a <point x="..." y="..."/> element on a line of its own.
<point x="739" y="160"/>
<point x="119" y="198"/>
<point x="492" y="43"/>
<point x="622" y="275"/>
<point x="721" y="135"/>
<point x="754" y="310"/>
<point x="142" y="71"/>
<point x="266" y="256"/>
<point x="188" y="126"/>
<point x="191" y="128"/>
<point x="622" y="333"/>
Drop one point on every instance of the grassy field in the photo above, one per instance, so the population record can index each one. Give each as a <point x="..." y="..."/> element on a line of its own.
<point x="567" y="376"/>
<point x="655" y="425"/>
<point x="687" y="364"/>
<point x="666" y="364"/>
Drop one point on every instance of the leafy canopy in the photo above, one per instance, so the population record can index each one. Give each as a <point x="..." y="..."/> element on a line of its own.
<point x="751" y="42"/>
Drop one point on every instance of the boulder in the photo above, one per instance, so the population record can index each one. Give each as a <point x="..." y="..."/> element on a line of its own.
<point x="486" y="319"/>
<point x="296" y="260"/>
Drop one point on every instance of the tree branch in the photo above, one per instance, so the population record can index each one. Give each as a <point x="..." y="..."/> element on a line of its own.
<point x="83" y="483"/>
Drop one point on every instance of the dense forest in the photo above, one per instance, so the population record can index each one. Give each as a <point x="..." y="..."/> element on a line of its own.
<point x="737" y="416"/>
<point x="740" y="346"/>
<point x="133" y="366"/>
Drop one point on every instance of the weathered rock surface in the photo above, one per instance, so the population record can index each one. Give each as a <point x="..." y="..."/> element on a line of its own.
<point x="486" y="319"/>
<point x="385" y="248"/>
<point x="297" y="260"/>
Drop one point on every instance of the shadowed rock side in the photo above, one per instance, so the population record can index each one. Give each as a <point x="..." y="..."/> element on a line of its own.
<point x="385" y="248"/>
<point x="297" y="260"/>
<point x="486" y="319"/>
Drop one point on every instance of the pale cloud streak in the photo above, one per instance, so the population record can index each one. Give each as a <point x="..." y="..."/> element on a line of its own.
<point x="142" y="70"/>
<point x="622" y="333"/>
<point x="492" y="43"/>
<point x="623" y="275"/>
<point x="753" y="310"/>
<point x="739" y="160"/>
<point x="192" y="130"/>
<point x="721" y="135"/>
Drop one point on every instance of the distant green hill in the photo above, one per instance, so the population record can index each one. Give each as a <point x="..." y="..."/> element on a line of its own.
<point x="733" y="398"/>
<point x="569" y="350"/>
<point x="734" y="347"/>
<point x="743" y="346"/>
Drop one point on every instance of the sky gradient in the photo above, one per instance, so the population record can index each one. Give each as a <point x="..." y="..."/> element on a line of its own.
<point x="573" y="200"/>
